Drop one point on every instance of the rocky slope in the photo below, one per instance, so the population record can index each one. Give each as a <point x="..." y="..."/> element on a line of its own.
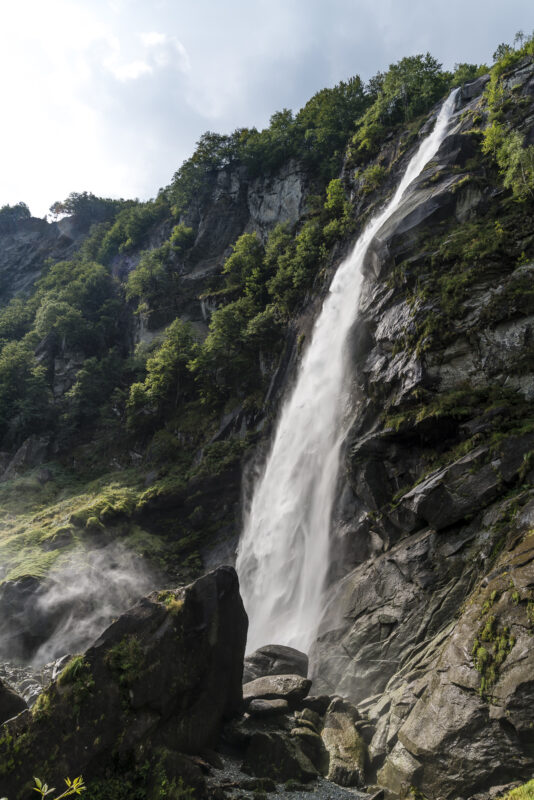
<point x="430" y="627"/>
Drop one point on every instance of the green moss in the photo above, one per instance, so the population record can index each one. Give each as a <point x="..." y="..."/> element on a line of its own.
<point x="490" y="648"/>
<point x="75" y="669"/>
<point x="173" y="603"/>
<point x="126" y="659"/>
<point x="525" y="792"/>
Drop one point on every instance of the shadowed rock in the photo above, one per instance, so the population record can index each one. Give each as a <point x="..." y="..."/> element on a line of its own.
<point x="11" y="703"/>
<point x="161" y="678"/>
<point x="275" y="659"/>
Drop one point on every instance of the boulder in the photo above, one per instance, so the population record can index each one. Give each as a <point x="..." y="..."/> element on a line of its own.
<point x="164" y="676"/>
<point x="292" y="688"/>
<point x="11" y="703"/>
<point x="275" y="659"/>
<point x="267" y="708"/>
<point x="346" y="749"/>
<point x="276" y="754"/>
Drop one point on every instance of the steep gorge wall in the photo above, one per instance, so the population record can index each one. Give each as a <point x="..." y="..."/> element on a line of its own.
<point x="429" y="618"/>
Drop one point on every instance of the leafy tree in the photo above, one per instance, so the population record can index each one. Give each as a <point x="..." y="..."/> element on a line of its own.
<point x="182" y="238"/>
<point x="92" y="390"/>
<point x="168" y="378"/>
<point x="409" y="88"/>
<point x="296" y="267"/>
<point x="224" y="364"/>
<point x="80" y="301"/>
<point x="464" y="73"/>
<point x="502" y="51"/>
<point x="25" y="401"/>
<point x="87" y="207"/>
<point x="10" y="215"/>
<point x="514" y="159"/>
<point x="243" y="266"/>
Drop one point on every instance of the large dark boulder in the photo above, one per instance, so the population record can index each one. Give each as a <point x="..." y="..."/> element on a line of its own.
<point x="11" y="703"/>
<point x="275" y="659"/>
<point x="162" y="678"/>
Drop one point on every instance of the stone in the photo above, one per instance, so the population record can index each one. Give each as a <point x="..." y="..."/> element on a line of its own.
<point x="318" y="704"/>
<point x="266" y="708"/>
<point x="165" y="675"/>
<point x="277" y="755"/>
<point x="11" y="703"/>
<point x="346" y="749"/>
<point x="292" y="688"/>
<point x="275" y="659"/>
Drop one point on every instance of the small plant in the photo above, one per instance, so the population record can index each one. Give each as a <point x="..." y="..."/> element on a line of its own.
<point x="76" y="786"/>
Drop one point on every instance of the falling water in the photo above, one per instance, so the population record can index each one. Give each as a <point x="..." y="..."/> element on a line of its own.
<point x="283" y="554"/>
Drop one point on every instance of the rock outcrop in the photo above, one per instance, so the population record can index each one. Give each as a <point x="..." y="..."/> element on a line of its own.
<point x="427" y="621"/>
<point x="161" y="680"/>
<point x="11" y="703"/>
<point x="275" y="659"/>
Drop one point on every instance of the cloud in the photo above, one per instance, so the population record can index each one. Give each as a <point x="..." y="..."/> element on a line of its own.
<point x="159" y="52"/>
<point x="110" y="96"/>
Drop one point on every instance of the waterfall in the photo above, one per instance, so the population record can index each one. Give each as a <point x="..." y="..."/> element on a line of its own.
<point x="283" y="555"/>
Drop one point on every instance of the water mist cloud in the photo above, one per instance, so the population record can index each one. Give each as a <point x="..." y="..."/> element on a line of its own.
<point x="66" y="612"/>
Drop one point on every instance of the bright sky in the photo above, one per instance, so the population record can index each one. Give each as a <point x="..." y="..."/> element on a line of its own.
<point x="110" y="96"/>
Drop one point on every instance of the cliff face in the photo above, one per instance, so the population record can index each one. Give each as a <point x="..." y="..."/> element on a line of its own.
<point x="430" y="629"/>
<point x="429" y="607"/>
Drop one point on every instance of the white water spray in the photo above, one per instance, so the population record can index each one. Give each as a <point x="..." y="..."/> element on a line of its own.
<point x="283" y="554"/>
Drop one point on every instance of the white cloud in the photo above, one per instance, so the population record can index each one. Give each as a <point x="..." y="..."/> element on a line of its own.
<point x="109" y="96"/>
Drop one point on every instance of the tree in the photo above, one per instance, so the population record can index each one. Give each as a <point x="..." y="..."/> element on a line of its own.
<point x="168" y="378"/>
<point x="10" y="215"/>
<point x="243" y="266"/>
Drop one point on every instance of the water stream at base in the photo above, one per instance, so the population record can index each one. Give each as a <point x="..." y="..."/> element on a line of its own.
<point x="283" y="555"/>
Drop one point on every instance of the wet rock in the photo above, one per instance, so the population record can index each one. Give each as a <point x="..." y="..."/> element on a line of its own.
<point x="164" y="675"/>
<point x="318" y="704"/>
<point x="346" y="749"/>
<point x="267" y="708"/>
<point x="275" y="659"/>
<point x="292" y="688"/>
<point x="11" y="703"/>
<point x="277" y="755"/>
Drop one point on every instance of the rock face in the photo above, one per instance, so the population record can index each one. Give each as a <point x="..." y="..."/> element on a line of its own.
<point x="275" y="659"/>
<point x="291" y="688"/>
<point x="11" y="703"/>
<point x="163" y="677"/>
<point x="427" y="620"/>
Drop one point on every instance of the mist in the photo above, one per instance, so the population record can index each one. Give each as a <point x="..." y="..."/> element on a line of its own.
<point x="69" y="609"/>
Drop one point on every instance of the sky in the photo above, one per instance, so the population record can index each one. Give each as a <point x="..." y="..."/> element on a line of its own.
<point x="110" y="96"/>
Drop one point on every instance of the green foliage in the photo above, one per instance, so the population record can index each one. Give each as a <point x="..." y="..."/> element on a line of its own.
<point x="78" y="678"/>
<point x="168" y="380"/>
<point x="25" y="398"/>
<point x="491" y="646"/>
<point x="525" y="792"/>
<point x="87" y="208"/>
<point x="222" y="366"/>
<point x="465" y="73"/>
<point x="409" y="88"/>
<point x="130" y="228"/>
<point x="243" y="268"/>
<point x="126" y="659"/>
<point x="10" y="215"/>
<point x="297" y="267"/>
<point x="74" y="670"/>
<point x="317" y="135"/>
<point x="75" y="786"/>
<point x="514" y="159"/>
<point x="372" y="178"/>
<point x="15" y="319"/>
<point x="79" y="302"/>
<point x="95" y="382"/>
<point x="182" y="238"/>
